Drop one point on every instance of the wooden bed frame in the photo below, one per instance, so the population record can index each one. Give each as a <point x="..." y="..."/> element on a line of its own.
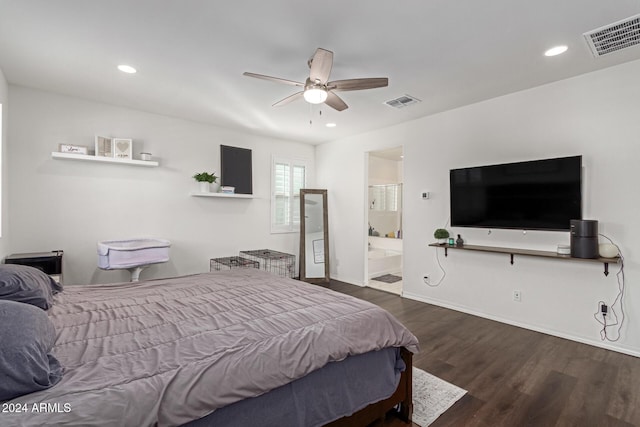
<point x="374" y="414"/>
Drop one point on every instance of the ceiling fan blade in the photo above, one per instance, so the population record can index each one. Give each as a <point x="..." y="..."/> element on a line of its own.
<point x="273" y="79"/>
<point x="321" y="64"/>
<point x="288" y="99"/>
<point x="335" y="102"/>
<point x="358" y="84"/>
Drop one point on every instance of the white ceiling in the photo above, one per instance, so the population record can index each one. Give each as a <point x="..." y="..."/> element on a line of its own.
<point x="191" y="54"/>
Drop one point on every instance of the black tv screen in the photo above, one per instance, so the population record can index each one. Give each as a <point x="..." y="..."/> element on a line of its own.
<point x="236" y="168"/>
<point x="534" y="195"/>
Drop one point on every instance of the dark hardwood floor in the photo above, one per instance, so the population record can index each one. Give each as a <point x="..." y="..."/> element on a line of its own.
<point x="514" y="377"/>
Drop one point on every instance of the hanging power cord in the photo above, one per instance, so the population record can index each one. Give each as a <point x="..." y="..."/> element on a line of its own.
<point x="444" y="273"/>
<point x="605" y="310"/>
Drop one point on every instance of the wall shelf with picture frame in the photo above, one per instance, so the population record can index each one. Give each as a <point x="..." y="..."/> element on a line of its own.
<point x="89" y="158"/>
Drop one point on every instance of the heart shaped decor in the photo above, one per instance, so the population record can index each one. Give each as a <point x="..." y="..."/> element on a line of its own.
<point x="122" y="146"/>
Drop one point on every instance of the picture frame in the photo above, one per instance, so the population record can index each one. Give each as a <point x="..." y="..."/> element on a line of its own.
<point x="73" y="149"/>
<point x="318" y="251"/>
<point x="123" y="148"/>
<point x="104" y="146"/>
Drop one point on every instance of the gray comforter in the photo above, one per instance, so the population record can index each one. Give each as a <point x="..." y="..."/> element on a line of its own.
<point x="165" y="352"/>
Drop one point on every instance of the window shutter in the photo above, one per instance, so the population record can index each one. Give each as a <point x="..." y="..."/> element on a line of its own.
<point x="298" y="183"/>
<point x="288" y="177"/>
<point x="281" y="193"/>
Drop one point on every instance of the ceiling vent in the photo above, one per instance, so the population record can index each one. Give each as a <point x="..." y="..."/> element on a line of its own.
<point x="401" y="102"/>
<point x="617" y="36"/>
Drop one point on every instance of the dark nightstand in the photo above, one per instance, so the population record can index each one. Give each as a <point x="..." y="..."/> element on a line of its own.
<point x="49" y="262"/>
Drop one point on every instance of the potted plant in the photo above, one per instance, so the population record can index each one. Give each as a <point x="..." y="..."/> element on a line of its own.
<point x="205" y="179"/>
<point x="441" y="234"/>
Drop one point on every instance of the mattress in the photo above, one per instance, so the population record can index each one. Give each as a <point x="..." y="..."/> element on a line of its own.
<point x="334" y="391"/>
<point x="170" y="351"/>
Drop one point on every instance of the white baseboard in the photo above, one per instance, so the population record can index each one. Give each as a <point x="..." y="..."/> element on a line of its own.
<point x="582" y="340"/>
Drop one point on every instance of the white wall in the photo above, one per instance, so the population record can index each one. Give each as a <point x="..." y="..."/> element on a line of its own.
<point x="71" y="205"/>
<point x="384" y="171"/>
<point x="4" y="181"/>
<point x="595" y="115"/>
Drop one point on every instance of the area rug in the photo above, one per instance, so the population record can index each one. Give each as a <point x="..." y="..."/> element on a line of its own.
<point x="388" y="278"/>
<point x="432" y="397"/>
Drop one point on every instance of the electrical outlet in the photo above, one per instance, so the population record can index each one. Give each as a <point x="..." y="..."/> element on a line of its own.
<point x="517" y="296"/>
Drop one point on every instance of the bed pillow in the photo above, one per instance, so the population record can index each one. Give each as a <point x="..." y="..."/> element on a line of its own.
<point x="27" y="336"/>
<point x="27" y="284"/>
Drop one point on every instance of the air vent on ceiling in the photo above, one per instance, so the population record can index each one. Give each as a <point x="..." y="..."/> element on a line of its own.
<point x="614" y="37"/>
<point x="401" y="102"/>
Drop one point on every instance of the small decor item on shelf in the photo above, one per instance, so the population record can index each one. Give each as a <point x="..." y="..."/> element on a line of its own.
<point x="608" y="250"/>
<point x="451" y="241"/>
<point x="205" y="179"/>
<point x="122" y="148"/>
<point x="227" y="189"/>
<point x="104" y="146"/>
<point x="73" y="149"/>
<point x="145" y="156"/>
<point x="441" y="234"/>
<point x="459" y="241"/>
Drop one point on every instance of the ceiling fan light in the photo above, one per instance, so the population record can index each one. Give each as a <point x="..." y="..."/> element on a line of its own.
<point x="315" y="95"/>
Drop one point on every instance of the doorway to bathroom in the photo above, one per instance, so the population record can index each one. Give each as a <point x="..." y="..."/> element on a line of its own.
<point x="384" y="220"/>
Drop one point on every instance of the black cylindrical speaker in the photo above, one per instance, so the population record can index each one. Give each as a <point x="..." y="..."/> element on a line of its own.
<point x="584" y="238"/>
<point x="584" y="227"/>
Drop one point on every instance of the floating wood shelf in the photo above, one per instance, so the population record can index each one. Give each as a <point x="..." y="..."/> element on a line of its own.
<point x="526" y="252"/>
<point x="100" y="159"/>
<point x="227" y="195"/>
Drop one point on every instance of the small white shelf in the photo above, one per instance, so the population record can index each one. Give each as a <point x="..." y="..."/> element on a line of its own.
<point x="227" y="195"/>
<point x="84" y="157"/>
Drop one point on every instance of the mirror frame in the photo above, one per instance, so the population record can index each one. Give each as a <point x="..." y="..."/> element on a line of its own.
<point x="325" y="223"/>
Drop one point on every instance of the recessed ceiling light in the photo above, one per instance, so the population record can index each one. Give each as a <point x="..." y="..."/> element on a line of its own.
<point x="330" y="125"/>
<point x="127" y="69"/>
<point x="557" y="50"/>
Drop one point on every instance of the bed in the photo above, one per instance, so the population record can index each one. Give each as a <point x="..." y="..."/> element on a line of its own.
<point x="230" y="348"/>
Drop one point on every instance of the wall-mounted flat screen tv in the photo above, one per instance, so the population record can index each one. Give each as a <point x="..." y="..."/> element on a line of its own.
<point x="533" y="195"/>
<point x="236" y="168"/>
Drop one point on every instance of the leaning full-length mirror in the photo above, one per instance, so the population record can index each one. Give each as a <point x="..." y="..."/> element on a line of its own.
<point x="314" y="236"/>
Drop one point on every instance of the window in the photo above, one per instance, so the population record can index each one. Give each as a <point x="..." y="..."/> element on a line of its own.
<point x="288" y="176"/>
<point x="385" y="197"/>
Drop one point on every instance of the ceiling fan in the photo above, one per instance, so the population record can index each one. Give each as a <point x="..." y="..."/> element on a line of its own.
<point x="318" y="88"/>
